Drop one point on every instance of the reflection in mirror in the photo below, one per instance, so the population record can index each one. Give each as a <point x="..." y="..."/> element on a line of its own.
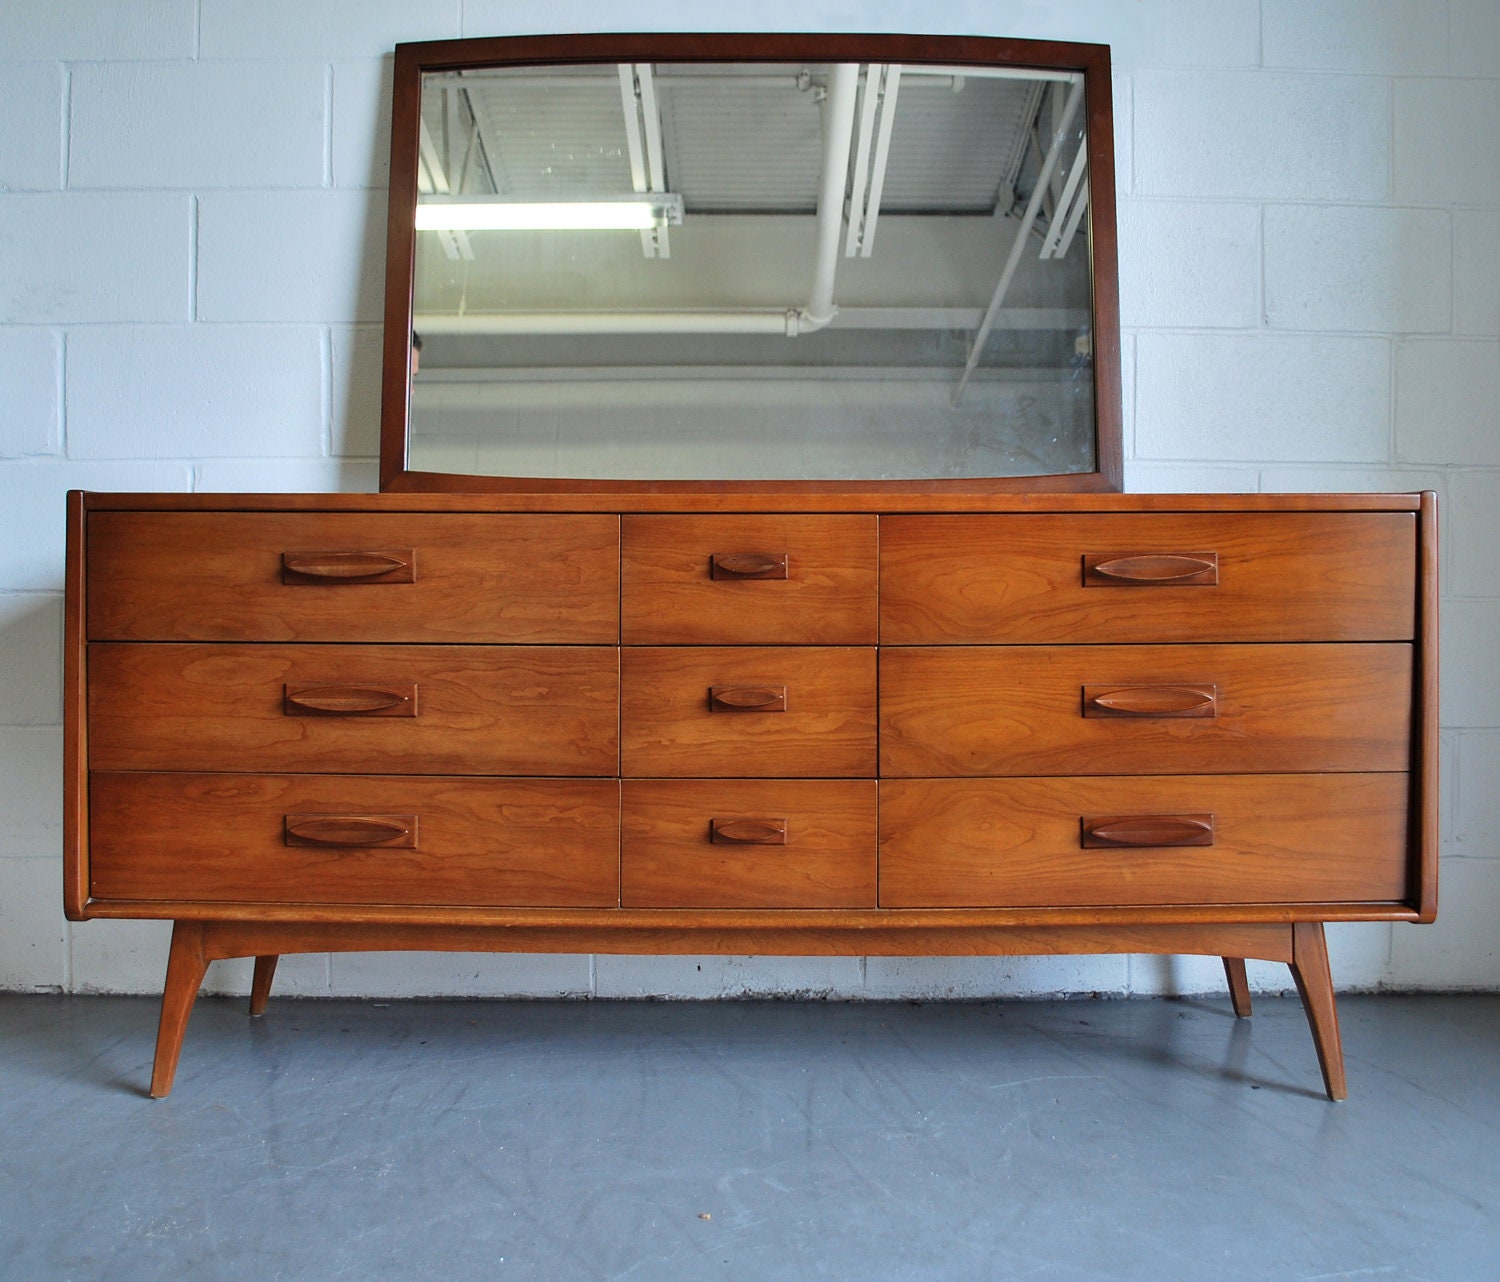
<point x="827" y="271"/>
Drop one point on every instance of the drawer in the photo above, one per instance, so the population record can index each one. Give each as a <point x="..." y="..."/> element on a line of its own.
<point x="1055" y="710"/>
<point x="748" y="711"/>
<point x="748" y="579"/>
<point x="1287" y="839"/>
<point x="368" y="840"/>
<point x="414" y="709"/>
<point x="340" y="576"/>
<point x="1148" y="577"/>
<point x="737" y="843"/>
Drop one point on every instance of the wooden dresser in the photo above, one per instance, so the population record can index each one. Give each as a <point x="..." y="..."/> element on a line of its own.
<point x="699" y="723"/>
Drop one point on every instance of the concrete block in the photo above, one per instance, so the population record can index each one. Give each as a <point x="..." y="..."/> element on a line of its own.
<point x="1438" y="159"/>
<point x="1476" y="788"/>
<point x="1189" y="265"/>
<point x="291" y="256"/>
<point x="331" y="28"/>
<point x="60" y="259"/>
<point x="118" y="956"/>
<point x="31" y="656"/>
<point x="31" y="154"/>
<point x="88" y="30"/>
<point x="1461" y="950"/>
<point x="361" y="150"/>
<point x="356" y="390"/>
<point x="1124" y="114"/>
<point x="1262" y="398"/>
<point x="947" y="978"/>
<point x="459" y="975"/>
<point x="1474" y="34"/>
<point x="33" y="933"/>
<point x="287" y="476"/>
<point x="1470" y="695"/>
<point x="1448" y="402"/>
<point x="30" y="392"/>
<point x="1325" y="478"/>
<point x="713" y="977"/>
<point x="1366" y="36"/>
<point x="31" y="801"/>
<point x="1188" y="478"/>
<point x="197" y="124"/>
<point x="1261" y="135"/>
<point x="297" y="975"/>
<point x="1471" y="533"/>
<point x="195" y="391"/>
<point x="32" y="498"/>
<point x="1346" y="267"/>
<point x="1476" y="272"/>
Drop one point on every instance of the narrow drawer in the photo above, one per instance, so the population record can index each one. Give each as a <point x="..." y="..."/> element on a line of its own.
<point x="480" y="710"/>
<point x="748" y="579"/>
<point x="766" y="712"/>
<point x="1272" y="839"/>
<point x="736" y="843"/>
<point x="340" y="576"/>
<point x="1065" y="710"/>
<point x="309" y="839"/>
<point x="1147" y="577"/>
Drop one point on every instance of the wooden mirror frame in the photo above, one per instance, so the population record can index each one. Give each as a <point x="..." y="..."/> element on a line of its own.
<point x="414" y="60"/>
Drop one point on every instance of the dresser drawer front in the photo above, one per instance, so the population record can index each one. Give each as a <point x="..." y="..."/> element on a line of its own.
<point x="223" y="838"/>
<point x="736" y="843"/>
<point x="748" y="579"/>
<point x="765" y="712"/>
<point x="1064" y="710"/>
<point x="1147" y="577"/>
<point x="1276" y="839"/>
<point x="322" y="576"/>
<point x="481" y="710"/>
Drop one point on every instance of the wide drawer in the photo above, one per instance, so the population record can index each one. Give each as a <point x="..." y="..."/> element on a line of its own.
<point x="748" y="711"/>
<point x="1062" y="710"/>
<point x="340" y="576"/>
<point x="1271" y="839"/>
<point x="312" y="839"/>
<point x="1147" y="577"/>
<point x="414" y="709"/>
<point x="736" y="843"/>
<point x="748" y="579"/>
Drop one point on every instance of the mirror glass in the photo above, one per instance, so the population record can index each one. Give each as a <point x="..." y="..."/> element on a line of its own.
<point x="671" y="268"/>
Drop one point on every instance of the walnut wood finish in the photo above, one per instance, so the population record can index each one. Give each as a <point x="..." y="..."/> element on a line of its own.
<point x="1150" y="570"/>
<point x="1315" y="986"/>
<point x="1131" y="832"/>
<point x="1156" y="702"/>
<point x="484" y="710"/>
<point x="392" y="566"/>
<point x="260" y="982"/>
<point x="1239" y="986"/>
<point x="672" y="594"/>
<point x="668" y="725"/>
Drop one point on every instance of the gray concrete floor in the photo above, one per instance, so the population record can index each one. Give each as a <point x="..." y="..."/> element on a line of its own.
<point x="755" y="1141"/>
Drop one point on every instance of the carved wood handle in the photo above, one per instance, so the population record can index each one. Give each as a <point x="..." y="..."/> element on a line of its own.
<point x="1146" y="830"/>
<point x="748" y="565"/>
<point x="349" y="701"/>
<point x="747" y="699"/>
<point x="390" y="565"/>
<point x="398" y="832"/>
<point x="1150" y="569"/>
<point x="748" y="832"/>
<point x="1154" y="701"/>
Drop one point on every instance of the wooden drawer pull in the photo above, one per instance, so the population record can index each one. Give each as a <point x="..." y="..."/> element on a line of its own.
<point x="386" y="566"/>
<point x="1147" y="830"/>
<point x="398" y="832"/>
<point x="747" y="832"/>
<point x="1150" y="569"/>
<point x="1161" y="701"/>
<point x="349" y="701"/>
<point x="748" y="565"/>
<point x="747" y="699"/>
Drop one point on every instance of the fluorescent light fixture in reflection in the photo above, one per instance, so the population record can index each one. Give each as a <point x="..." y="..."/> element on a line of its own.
<point x="630" y="213"/>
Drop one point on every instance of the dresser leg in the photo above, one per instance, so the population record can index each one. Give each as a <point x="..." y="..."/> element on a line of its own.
<point x="260" y="984"/>
<point x="186" y="965"/>
<point x="1239" y="985"/>
<point x="1315" y="983"/>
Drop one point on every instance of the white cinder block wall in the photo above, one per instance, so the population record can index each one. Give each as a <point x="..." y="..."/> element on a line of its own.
<point x="191" y="228"/>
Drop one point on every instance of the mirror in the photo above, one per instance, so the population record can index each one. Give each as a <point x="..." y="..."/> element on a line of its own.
<point x="637" y="261"/>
